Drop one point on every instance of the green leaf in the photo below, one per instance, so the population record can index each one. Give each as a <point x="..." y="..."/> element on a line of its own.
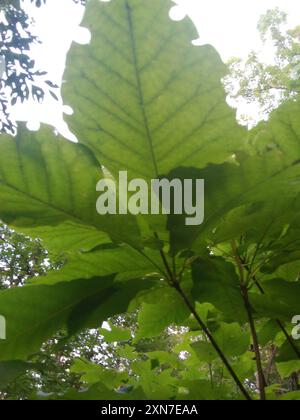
<point x="232" y="340"/>
<point x="92" y="374"/>
<point x="125" y="262"/>
<point x="200" y="391"/>
<point x="286" y="352"/>
<point x="68" y="237"/>
<point x="216" y="282"/>
<point x="268" y="332"/>
<point x="168" y="309"/>
<point x="165" y="358"/>
<point x="11" y="370"/>
<point x="115" y="334"/>
<point x="245" y="366"/>
<point x="99" y="392"/>
<point x="248" y="191"/>
<point x="128" y="352"/>
<point x="281" y="132"/>
<point x="43" y="310"/>
<point x="286" y="369"/>
<point x="146" y="100"/>
<point x="280" y="300"/>
<point x="204" y="351"/>
<point x="291" y="396"/>
<point x="47" y="181"/>
<point x="88" y="312"/>
<point x="157" y="385"/>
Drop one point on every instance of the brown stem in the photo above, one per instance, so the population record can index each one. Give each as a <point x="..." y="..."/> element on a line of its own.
<point x="261" y="377"/>
<point x="213" y="342"/>
<point x="245" y="294"/>
<point x="271" y="363"/>
<point x="175" y="283"/>
<point x="295" y="382"/>
<point x="288" y="337"/>
<point x="278" y="322"/>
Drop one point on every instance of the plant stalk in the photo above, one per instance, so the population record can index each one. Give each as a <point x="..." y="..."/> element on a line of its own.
<point x="172" y="280"/>
<point x="278" y="322"/>
<point x="213" y="342"/>
<point x="245" y="294"/>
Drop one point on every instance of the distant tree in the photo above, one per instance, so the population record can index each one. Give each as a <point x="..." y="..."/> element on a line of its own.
<point x="20" y="258"/>
<point x="268" y="84"/>
<point x="21" y="79"/>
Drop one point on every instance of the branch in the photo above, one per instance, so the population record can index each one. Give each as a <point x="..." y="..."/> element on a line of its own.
<point x="278" y="322"/>
<point x="271" y="363"/>
<point x="213" y="342"/>
<point x="173" y="281"/>
<point x="244" y="289"/>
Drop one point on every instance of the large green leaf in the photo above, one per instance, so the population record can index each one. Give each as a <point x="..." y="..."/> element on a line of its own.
<point x="68" y="237"/>
<point x="281" y="133"/>
<point x="145" y="99"/>
<point x="125" y="262"/>
<point x="286" y="369"/>
<point x="216" y="282"/>
<point x="283" y="297"/>
<point x="162" y="307"/>
<point x="232" y="340"/>
<point x="46" y="181"/>
<point x="35" y="313"/>
<point x="265" y="187"/>
<point x="149" y="102"/>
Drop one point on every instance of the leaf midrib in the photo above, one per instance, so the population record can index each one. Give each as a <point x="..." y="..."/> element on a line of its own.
<point x="139" y="85"/>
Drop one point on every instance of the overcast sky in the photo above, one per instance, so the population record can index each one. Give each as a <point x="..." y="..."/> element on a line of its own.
<point x="229" y="25"/>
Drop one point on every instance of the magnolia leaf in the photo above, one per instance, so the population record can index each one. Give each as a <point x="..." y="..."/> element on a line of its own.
<point x="46" y="181"/>
<point x="145" y="99"/>
<point x="42" y="310"/>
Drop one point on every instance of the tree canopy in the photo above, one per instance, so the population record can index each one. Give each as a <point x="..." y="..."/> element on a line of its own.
<point x="267" y="83"/>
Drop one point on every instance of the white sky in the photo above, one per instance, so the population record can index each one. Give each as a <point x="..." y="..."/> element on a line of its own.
<point x="229" y="25"/>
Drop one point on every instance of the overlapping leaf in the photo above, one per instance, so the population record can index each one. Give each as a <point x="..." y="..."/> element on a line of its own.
<point x="145" y="99"/>
<point x="35" y="313"/>
<point x="46" y="182"/>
